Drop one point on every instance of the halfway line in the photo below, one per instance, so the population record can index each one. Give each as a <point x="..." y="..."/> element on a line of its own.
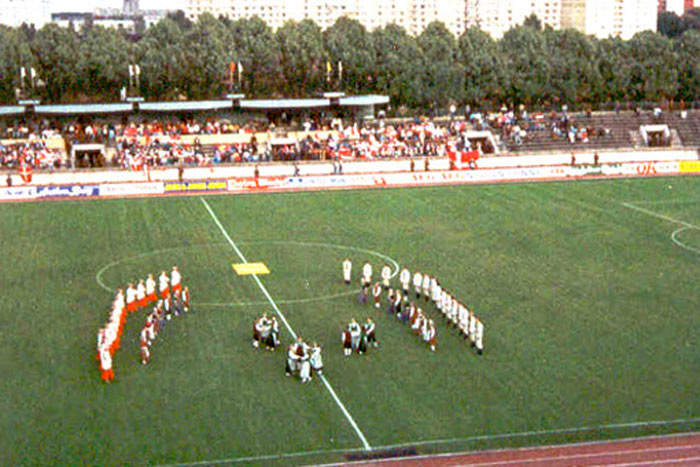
<point x="286" y="323"/>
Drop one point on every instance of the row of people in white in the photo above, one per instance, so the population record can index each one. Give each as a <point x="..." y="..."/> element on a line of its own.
<point x="304" y="360"/>
<point x="427" y="287"/>
<point x="358" y="337"/>
<point x="366" y="278"/>
<point x="457" y="314"/>
<point x="266" y="331"/>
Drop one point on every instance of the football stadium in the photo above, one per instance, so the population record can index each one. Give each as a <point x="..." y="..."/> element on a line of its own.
<point x="357" y="277"/>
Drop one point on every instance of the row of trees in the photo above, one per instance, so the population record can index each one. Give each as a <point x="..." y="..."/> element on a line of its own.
<point x="178" y="58"/>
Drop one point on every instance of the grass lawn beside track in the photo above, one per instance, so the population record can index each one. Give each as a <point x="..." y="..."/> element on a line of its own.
<point x="590" y="314"/>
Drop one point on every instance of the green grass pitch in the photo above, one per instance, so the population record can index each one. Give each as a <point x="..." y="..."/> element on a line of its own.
<point x="591" y="311"/>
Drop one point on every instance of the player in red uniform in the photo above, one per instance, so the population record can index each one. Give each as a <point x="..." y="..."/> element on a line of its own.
<point x="164" y="285"/>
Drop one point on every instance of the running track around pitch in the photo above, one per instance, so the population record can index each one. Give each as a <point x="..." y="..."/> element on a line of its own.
<point x="676" y="450"/>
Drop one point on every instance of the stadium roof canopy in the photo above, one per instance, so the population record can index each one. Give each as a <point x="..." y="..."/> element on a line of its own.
<point x="195" y="106"/>
<point x="11" y="110"/>
<point x="184" y="106"/>
<point x="82" y="109"/>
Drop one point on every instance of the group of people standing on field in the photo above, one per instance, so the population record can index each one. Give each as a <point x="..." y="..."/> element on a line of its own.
<point x="427" y="287"/>
<point x="303" y="360"/>
<point x="174" y="299"/>
<point x="359" y="338"/>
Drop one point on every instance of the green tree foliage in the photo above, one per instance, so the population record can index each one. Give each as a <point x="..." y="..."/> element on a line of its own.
<point x="302" y="58"/>
<point x="482" y="66"/>
<point x="14" y="53"/>
<point x="205" y="58"/>
<point x="397" y="66"/>
<point x="163" y="60"/>
<point x="59" y="64"/>
<point x="527" y="66"/>
<point x="441" y="75"/>
<point x="348" y="41"/>
<point x="531" y="65"/>
<point x="253" y="43"/>
<point x="654" y="75"/>
<point x="687" y="49"/>
<point x="105" y="59"/>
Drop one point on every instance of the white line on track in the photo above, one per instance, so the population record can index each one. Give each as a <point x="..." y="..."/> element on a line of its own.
<point x="583" y="455"/>
<point x="437" y="442"/>
<point x="362" y="437"/>
<point x="680" y="460"/>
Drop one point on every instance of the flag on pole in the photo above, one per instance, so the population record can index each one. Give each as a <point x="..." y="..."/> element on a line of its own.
<point x="25" y="172"/>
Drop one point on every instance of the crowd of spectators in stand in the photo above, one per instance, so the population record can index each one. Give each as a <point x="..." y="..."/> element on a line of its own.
<point x="160" y="143"/>
<point x="157" y="145"/>
<point x="26" y="145"/>
<point x="559" y="126"/>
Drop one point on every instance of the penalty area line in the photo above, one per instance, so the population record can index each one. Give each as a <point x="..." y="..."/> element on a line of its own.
<point x="257" y="280"/>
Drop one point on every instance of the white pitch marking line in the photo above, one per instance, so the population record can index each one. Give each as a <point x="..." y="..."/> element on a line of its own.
<point x="660" y="216"/>
<point x="585" y="455"/>
<point x="675" y="240"/>
<point x="289" y="328"/>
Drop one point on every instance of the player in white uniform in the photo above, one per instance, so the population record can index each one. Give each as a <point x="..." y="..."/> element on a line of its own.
<point x="428" y="333"/>
<point x="303" y="354"/>
<point x="472" y="329"/>
<point x="131" y="298"/>
<point x="347" y="270"/>
<point x="426" y="287"/>
<point x="405" y="279"/>
<point x="292" y="360"/>
<point x="454" y="313"/>
<point x="417" y="282"/>
<point x="369" y="328"/>
<point x="463" y="320"/>
<point x="355" y="334"/>
<point x="106" y="366"/>
<point x="366" y="274"/>
<point x="315" y="359"/>
<point x="141" y="294"/>
<point x="164" y="285"/>
<point x="434" y="290"/>
<point x="386" y="276"/>
<point x="151" y="289"/>
<point x="175" y="280"/>
<point x="479" y="337"/>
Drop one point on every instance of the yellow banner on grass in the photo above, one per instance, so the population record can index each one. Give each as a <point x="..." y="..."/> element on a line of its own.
<point x="246" y="269"/>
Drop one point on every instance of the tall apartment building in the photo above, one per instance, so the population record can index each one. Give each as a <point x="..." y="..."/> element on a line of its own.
<point x="413" y="15"/>
<point x="600" y="18"/>
<point x="16" y="12"/>
<point x="619" y="18"/>
<point x="498" y="16"/>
